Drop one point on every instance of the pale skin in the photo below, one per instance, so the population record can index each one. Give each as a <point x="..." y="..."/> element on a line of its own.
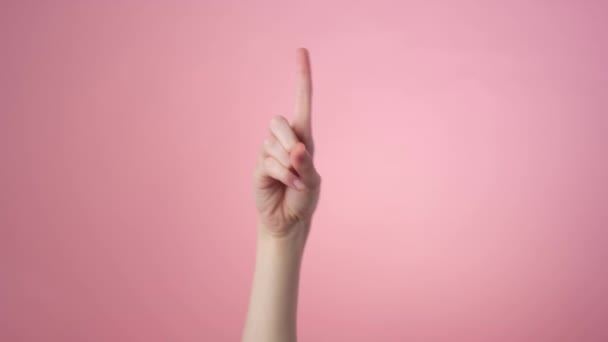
<point x="286" y="189"/>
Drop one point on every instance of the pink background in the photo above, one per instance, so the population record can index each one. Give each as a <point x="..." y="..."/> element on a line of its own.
<point x="462" y="147"/>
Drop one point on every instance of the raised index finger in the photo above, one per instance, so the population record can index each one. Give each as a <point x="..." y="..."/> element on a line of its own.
<point x="303" y="104"/>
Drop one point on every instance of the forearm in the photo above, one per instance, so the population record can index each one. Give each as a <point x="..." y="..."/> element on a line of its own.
<point x="274" y="296"/>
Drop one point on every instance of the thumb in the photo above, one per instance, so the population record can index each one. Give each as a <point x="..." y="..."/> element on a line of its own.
<point x="302" y="162"/>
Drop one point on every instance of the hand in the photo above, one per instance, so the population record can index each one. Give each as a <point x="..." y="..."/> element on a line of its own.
<point x="286" y="183"/>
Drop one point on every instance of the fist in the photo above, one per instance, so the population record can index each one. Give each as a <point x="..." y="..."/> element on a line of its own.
<point x="286" y="183"/>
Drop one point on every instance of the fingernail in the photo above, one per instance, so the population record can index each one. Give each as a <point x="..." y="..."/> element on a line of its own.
<point x="298" y="184"/>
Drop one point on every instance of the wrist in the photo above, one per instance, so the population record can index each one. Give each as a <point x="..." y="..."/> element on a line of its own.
<point x="288" y="239"/>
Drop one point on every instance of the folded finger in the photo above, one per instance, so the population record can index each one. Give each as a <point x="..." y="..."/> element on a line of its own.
<point x="279" y="126"/>
<point x="273" y="148"/>
<point x="279" y="172"/>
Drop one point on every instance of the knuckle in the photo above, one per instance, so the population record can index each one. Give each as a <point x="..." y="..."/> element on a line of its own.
<point x="268" y="165"/>
<point x="267" y="148"/>
<point x="262" y="152"/>
<point x="277" y="120"/>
